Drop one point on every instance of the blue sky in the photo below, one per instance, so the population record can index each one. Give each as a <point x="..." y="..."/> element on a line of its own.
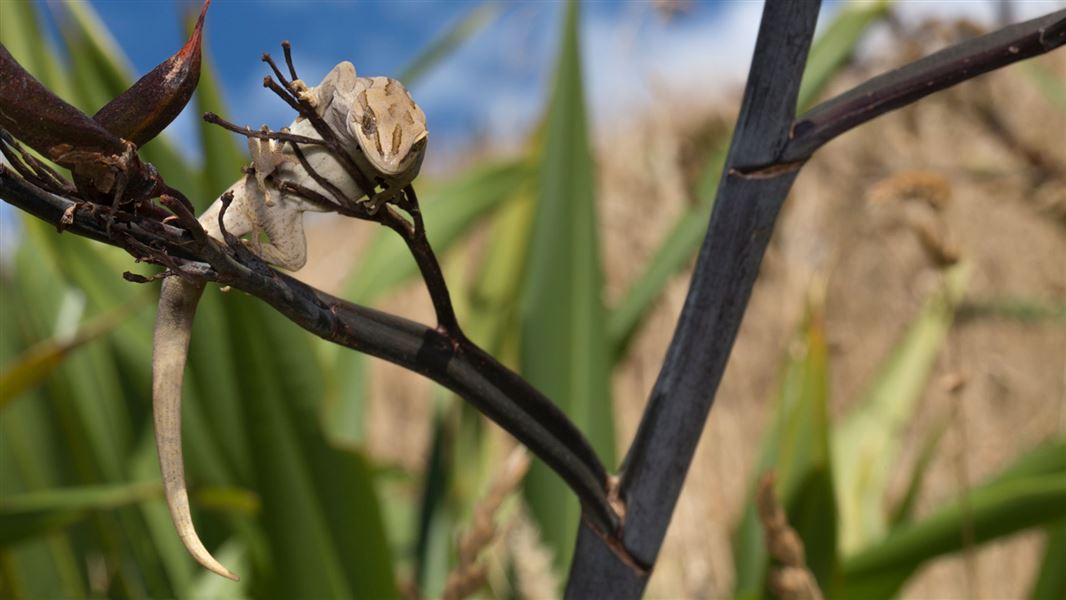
<point x="494" y="85"/>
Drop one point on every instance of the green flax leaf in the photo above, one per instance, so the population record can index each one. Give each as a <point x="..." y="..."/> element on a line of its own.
<point x="990" y="511"/>
<point x="564" y="349"/>
<point x="471" y="23"/>
<point x="319" y="511"/>
<point x="797" y="451"/>
<point x="866" y="443"/>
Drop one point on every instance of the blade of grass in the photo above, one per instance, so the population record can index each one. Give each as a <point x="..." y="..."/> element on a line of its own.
<point x="39" y="361"/>
<point x="433" y="545"/>
<point x="215" y="378"/>
<point x="493" y="302"/>
<point x="564" y="347"/>
<point x="993" y="511"/>
<point x="471" y="23"/>
<point x="224" y="154"/>
<point x="797" y="450"/>
<point x="866" y="444"/>
<point x="1047" y="459"/>
<point x="28" y="515"/>
<point x="1023" y="310"/>
<point x="1050" y="85"/>
<point x="1050" y="581"/>
<point x="320" y="512"/>
<point x="903" y="512"/>
<point x="834" y="47"/>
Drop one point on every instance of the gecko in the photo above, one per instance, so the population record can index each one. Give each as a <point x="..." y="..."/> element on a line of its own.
<point x="386" y="131"/>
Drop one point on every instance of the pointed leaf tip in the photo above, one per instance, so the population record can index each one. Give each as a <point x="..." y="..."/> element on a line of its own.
<point x="193" y="45"/>
<point x="149" y="105"/>
<point x="44" y="121"/>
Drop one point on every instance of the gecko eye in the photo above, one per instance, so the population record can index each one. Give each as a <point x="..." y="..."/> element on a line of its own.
<point x="370" y="126"/>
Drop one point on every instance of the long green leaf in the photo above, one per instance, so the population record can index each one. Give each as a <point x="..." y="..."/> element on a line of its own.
<point x="910" y="544"/>
<point x="224" y="155"/>
<point x="464" y="29"/>
<point x="433" y="545"/>
<point x="834" y="46"/>
<point x="866" y="444"/>
<point x="830" y="51"/>
<point x="1051" y="85"/>
<point x="27" y="515"/>
<point x="991" y="511"/>
<point x="1050" y="581"/>
<point x="214" y="379"/>
<point x="564" y="347"/>
<point x="320" y="512"/>
<point x="903" y="511"/>
<point x="1046" y="459"/>
<point x="36" y="363"/>
<point x="797" y="450"/>
<point x="493" y="304"/>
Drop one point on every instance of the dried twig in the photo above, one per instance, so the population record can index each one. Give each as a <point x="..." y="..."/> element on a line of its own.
<point x="469" y="575"/>
<point x="791" y="579"/>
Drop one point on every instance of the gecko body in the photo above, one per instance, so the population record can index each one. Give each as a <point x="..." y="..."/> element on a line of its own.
<point x="353" y="107"/>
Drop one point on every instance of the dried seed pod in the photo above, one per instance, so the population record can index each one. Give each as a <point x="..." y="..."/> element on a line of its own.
<point x="149" y="105"/>
<point x="44" y="121"/>
<point x="105" y="167"/>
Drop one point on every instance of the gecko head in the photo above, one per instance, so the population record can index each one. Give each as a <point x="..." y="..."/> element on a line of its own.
<point x="390" y="127"/>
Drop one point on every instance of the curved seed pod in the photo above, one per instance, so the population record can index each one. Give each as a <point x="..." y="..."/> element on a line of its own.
<point x="149" y="105"/>
<point x="44" y="121"/>
<point x="105" y="166"/>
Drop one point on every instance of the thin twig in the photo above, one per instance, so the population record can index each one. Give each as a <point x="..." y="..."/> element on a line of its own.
<point x="326" y="184"/>
<point x="263" y="135"/>
<point x="917" y="80"/>
<point x="277" y="72"/>
<point x="418" y="244"/>
<point x="286" y="48"/>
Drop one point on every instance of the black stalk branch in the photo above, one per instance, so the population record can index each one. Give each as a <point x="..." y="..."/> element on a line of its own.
<point x="658" y="460"/>
<point x="917" y="80"/>
<point x="414" y="234"/>
<point x="769" y="148"/>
